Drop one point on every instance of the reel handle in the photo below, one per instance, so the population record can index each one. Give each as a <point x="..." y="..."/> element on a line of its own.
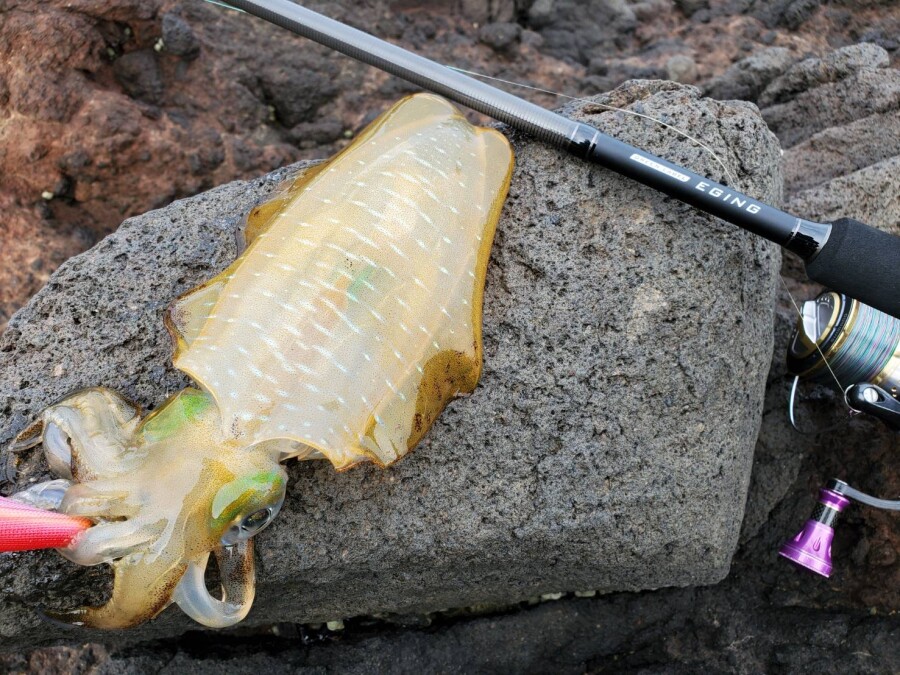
<point x="861" y="262"/>
<point x="811" y="547"/>
<point x="875" y="401"/>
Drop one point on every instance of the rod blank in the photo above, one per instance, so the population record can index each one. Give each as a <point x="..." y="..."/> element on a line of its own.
<point x="855" y="259"/>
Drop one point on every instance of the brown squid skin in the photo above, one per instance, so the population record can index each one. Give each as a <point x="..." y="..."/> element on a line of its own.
<point x="341" y="332"/>
<point x="126" y="608"/>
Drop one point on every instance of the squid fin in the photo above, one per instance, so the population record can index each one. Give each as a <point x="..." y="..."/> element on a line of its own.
<point x="263" y="216"/>
<point x="188" y="314"/>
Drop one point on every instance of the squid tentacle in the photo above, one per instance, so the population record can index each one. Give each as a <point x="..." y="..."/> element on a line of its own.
<point x="107" y="542"/>
<point x="238" y="574"/>
<point x="142" y="589"/>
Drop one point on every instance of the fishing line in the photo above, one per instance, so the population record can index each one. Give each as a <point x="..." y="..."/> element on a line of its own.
<point x="671" y="127"/>
<point x="849" y="356"/>
<point x="793" y="395"/>
<point x="863" y="342"/>
<point x="824" y="255"/>
<point x="225" y="5"/>
<point x="512" y="83"/>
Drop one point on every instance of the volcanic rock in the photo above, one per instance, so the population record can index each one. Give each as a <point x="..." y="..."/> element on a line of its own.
<point x="607" y="446"/>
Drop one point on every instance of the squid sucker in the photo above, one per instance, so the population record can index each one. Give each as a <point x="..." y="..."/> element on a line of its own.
<point x="350" y="320"/>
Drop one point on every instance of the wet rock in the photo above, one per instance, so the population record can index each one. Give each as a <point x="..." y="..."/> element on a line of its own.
<point x="747" y="78"/>
<point x="178" y="37"/>
<point x="614" y="321"/>
<point x="500" y="36"/>
<point x="681" y="68"/>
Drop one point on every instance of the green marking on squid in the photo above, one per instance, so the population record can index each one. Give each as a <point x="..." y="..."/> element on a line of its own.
<point x="169" y="419"/>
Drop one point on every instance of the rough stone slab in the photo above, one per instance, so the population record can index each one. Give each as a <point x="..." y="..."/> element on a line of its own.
<point x="627" y="339"/>
<point x="747" y="78"/>
<point x="814" y="72"/>
<point x="839" y="151"/>
<point x="875" y="198"/>
<point x="868" y="91"/>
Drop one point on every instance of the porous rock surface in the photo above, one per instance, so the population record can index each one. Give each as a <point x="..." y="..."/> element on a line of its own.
<point x="618" y="323"/>
<point x="110" y="108"/>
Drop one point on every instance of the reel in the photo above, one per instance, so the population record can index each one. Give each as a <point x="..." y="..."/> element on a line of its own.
<point x="839" y="340"/>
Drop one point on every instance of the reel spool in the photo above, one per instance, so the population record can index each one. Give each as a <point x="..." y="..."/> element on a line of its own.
<point x="840" y="338"/>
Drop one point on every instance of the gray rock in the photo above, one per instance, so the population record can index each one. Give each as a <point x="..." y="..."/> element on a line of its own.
<point x="483" y="11"/>
<point x="578" y="30"/>
<point x="835" y="66"/>
<point x="500" y="36"/>
<point x="867" y="92"/>
<point x="541" y="12"/>
<point x="690" y="7"/>
<point x="748" y="77"/>
<point x="875" y="197"/>
<point x="627" y="339"/>
<point x="297" y="84"/>
<point x="682" y="68"/>
<point x="839" y="151"/>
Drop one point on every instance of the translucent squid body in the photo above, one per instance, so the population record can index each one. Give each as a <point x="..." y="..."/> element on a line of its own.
<point x="349" y="322"/>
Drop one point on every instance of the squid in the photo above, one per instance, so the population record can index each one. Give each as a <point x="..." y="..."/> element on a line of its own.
<point x="348" y="323"/>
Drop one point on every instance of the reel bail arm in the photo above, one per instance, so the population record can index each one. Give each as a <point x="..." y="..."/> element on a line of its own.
<point x="841" y="341"/>
<point x="875" y="401"/>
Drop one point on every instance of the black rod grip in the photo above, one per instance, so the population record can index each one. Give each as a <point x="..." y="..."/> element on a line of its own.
<point x="862" y="262"/>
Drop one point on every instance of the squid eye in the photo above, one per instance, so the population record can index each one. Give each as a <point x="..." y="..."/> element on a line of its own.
<point x="248" y="526"/>
<point x="58" y="450"/>
<point x="256" y="521"/>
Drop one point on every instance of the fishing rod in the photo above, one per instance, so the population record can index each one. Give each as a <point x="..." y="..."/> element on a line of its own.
<point x="846" y="255"/>
<point x="841" y="333"/>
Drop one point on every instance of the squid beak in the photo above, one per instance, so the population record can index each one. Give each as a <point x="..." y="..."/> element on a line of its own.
<point x="25" y="528"/>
